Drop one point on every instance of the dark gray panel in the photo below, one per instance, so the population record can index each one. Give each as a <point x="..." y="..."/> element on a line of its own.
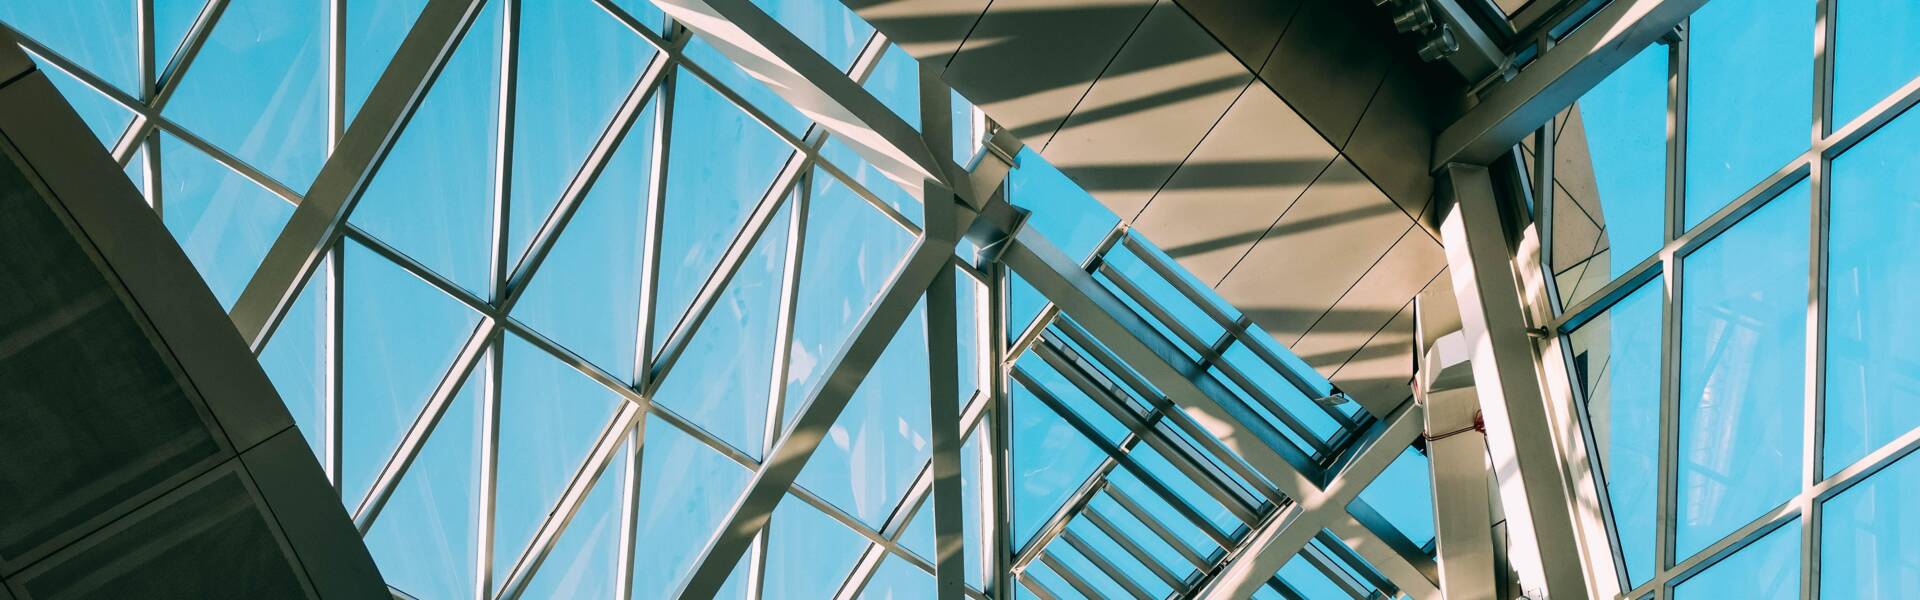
<point x="1248" y="28"/>
<point x="1028" y="62"/>
<point x="145" y="259"/>
<point x="310" y="515"/>
<point x="1244" y="175"/>
<point x="13" y="63"/>
<point x="1164" y="91"/>
<point x="1331" y="236"/>
<point x="929" y="30"/>
<point x="90" y="415"/>
<point x="1327" y="66"/>
<point x="1393" y="144"/>
<point x="208" y="540"/>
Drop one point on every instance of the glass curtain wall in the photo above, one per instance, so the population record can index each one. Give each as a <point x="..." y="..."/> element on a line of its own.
<point x="1728" y="239"/>
<point x="578" y="302"/>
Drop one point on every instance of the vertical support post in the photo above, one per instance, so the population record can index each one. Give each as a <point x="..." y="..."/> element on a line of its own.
<point x="1457" y="455"/>
<point x="1539" y="502"/>
<point x="943" y="369"/>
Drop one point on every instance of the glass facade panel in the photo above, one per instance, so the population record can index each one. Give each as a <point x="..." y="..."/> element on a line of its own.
<point x="224" y="222"/>
<point x="550" y="416"/>
<point x="1873" y="279"/>
<point x="1609" y="200"/>
<point x="1742" y="367"/>
<point x="1767" y="569"/>
<point x="1870" y="537"/>
<point x="258" y="88"/>
<point x="1616" y="367"/>
<point x="1749" y="97"/>
<point x="1876" y="50"/>
<point x="685" y="490"/>
<point x="426" y="536"/>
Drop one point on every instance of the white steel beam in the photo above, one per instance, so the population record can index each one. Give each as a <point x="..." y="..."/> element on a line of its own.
<point x="1457" y="458"/>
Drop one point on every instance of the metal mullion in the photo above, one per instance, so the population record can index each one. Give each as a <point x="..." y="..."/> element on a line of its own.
<point x="1049" y="311"/>
<point x="1323" y="563"/>
<point x="1153" y="524"/>
<point x="604" y="147"/>
<point x="852" y="523"/>
<point x="1814" y="419"/>
<point x="1105" y="566"/>
<point x="1132" y="547"/>
<point x="998" y="534"/>
<point x="150" y="170"/>
<point x="712" y="442"/>
<point x="503" y="149"/>
<point x="584" y="479"/>
<point x="131" y="139"/>
<point x="1118" y="455"/>
<point x="671" y="43"/>
<point x="336" y="72"/>
<point x="335" y="378"/>
<point x="228" y="160"/>
<point x="367" y="509"/>
<point x="489" y="473"/>
<point x="1072" y="578"/>
<point x="611" y="382"/>
<point x="413" y="267"/>
<point x="143" y="40"/>
<point x="630" y="508"/>
<point x="862" y="573"/>
<point x="1148" y="429"/>
<point x="1334" y="550"/>
<point x="789" y="301"/>
<point x="653" y="230"/>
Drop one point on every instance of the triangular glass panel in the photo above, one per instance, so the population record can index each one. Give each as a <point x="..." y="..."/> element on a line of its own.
<point x="586" y="295"/>
<point x="258" y="90"/>
<point x="171" y="20"/>
<point x="97" y="35"/>
<point x="686" y="489"/>
<point x="398" y="340"/>
<point x="585" y="561"/>
<point x="374" y="31"/>
<point x="919" y="535"/>
<point x="723" y="377"/>
<point x="718" y="169"/>
<point x="563" y="103"/>
<point x="106" y="118"/>
<point x="432" y="197"/>
<point x="1050" y="460"/>
<point x="896" y="82"/>
<point x="644" y="13"/>
<point x="882" y="438"/>
<point x="223" y="221"/>
<point x="296" y="360"/>
<point x="808" y="553"/>
<point x="897" y="579"/>
<point x="733" y="77"/>
<point x="850" y="253"/>
<point x="550" y="417"/>
<point x="425" y="538"/>
<point x="879" y="184"/>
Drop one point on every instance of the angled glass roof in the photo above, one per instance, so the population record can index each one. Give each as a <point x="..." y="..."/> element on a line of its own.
<point x="604" y="277"/>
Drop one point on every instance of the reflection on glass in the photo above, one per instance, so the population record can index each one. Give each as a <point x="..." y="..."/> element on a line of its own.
<point x="562" y="101"/>
<point x="586" y="295"/>
<point x="717" y="170"/>
<point x="881" y="440"/>
<point x="432" y="197"/>
<point x="1609" y="175"/>
<point x="1870" y="537"/>
<point x="550" y="416"/>
<point x="808" y="553"/>
<point x="1876" y="50"/>
<point x="1767" y="569"/>
<point x="258" y="89"/>
<point x="398" y="338"/>
<point x="850" y="253"/>
<point x="685" y="491"/>
<point x="1742" y="363"/>
<point x="584" y="561"/>
<point x="1749" y="97"/>
<point x="1873" y="279"/>
<point x="424" y="538"/>
<point x="223" y="221"/>
<point x="1616" y="366"/>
